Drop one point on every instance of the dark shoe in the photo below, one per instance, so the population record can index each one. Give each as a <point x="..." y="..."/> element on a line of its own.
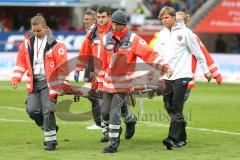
<point x="130" y="129"/>
<point x="113" y="144"/>
<point x="50" y="146"/>
<point x="45" y="143"/>
<point x="169" y="143"/>
<point x="110" y="149"/>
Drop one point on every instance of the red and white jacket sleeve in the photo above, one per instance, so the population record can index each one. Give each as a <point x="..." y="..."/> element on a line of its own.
<point x="212" y="66"/>
<point x="146" y="53"/>
<point x="84" y="54"/>
<point x="21" y="65"/>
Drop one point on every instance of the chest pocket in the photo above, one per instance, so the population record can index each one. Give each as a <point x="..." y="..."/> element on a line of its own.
<point x="125" y="47"/>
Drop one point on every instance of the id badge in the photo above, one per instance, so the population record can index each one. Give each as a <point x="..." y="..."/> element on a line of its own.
<point x="37" y="67"/>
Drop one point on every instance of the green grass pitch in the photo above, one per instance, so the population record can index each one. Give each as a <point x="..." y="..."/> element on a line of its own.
<point x="212" y="112"/>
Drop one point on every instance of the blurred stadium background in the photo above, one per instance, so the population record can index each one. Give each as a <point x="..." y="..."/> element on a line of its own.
<point x="214" y="128"/>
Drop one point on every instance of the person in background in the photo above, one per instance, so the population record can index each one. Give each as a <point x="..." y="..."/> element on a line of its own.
<point x="90" y="19"/>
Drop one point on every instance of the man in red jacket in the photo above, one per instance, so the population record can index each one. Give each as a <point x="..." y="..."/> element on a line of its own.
<point x="122" y="47"/>
<point x="89" y="19"/>
<point x="41" y="55"/>
<point x="93" y="47"/>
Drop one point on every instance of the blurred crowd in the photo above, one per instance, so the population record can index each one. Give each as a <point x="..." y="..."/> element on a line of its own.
<point x="188" y="6"/>
<point x="18" y="18"/>
<point x="231" y="46"/>
<point x="19" y="23"/>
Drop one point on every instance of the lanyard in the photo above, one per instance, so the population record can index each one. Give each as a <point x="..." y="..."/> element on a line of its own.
<point x="38" y="49"/>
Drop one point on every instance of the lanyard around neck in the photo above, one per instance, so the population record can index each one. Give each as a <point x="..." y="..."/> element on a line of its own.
<point x="38" y="49"/>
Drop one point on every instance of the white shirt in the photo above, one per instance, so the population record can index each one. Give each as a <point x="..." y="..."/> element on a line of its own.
<point x="38" y="59"/>
<point x="176" y="47"/>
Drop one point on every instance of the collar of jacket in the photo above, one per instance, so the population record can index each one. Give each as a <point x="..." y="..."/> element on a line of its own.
<point x="121" y="34"/>
<point x="178" y="25"/>
<point x="105" y="27"/>
<point x="51" y="39"/>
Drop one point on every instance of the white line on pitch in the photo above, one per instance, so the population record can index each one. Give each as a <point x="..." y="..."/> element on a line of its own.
<point x="192" y="128"/>
<point x="141" y="122"/>
<point x="28" y="121"/>
<point x="15" y="120"/>
<point x="12" y="108"/>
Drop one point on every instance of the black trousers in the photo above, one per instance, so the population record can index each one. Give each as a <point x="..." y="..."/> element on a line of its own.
<point x="87" y="72"/>
<point x="174" y="103"/>
<point x="96" y="104"/>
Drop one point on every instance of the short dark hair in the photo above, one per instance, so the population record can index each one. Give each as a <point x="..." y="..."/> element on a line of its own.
<point x="102" y="9"/>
